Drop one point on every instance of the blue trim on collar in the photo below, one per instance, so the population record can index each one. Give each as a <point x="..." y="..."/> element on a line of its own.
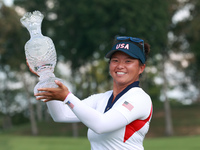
<point x="110" y="103"/>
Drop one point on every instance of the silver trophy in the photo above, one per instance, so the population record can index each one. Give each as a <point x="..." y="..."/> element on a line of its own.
<point x="40" y="51"/>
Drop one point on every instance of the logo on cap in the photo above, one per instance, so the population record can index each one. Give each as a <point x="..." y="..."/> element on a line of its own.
<point x="122" y="45"/>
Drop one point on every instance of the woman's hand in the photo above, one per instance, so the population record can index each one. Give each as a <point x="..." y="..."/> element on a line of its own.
<point x="59" y="93"/>
<point x="31" y="69"/>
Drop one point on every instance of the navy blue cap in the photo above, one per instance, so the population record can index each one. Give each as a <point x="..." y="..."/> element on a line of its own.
<point x="128" y="48"/>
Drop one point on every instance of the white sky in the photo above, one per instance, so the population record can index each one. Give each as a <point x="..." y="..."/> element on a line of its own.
<point x="8" y="2"/>
<point x="183" y="13"/>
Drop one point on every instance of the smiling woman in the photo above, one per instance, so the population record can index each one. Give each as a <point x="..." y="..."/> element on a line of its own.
<point x="124" y="70"/>
<point x="119" y="118"/>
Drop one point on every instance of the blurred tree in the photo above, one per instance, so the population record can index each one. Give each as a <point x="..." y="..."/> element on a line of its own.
<point x="34" y="127"/>
<point x="11" y="58"/>
<point x="10" y="41"/>
<point x="9" y="49"/>
<point x="83" y="31"/>
<point x="81" y="28"/>
<point x="187" y="33"/>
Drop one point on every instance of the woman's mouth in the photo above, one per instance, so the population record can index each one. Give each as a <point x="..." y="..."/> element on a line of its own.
<point x="121" y="73"/>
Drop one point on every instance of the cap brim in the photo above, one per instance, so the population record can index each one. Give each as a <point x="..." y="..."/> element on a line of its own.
<point x="109" y="54"/>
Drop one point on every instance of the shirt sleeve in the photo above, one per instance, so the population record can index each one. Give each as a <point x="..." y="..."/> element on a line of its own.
<point x="60" y="112"/>
<point x="135" y="104"/>
<point x="93" y="119"/>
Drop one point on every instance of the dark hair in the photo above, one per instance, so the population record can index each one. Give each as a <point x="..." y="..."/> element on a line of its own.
<point x="146" y="46"/>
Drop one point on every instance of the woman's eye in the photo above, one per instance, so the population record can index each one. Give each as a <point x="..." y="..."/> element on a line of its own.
<point x="128" y="61"/>
<point x="114" y="60"/>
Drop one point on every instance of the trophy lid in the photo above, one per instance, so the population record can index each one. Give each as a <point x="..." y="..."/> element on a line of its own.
<point x="32" y="19"/>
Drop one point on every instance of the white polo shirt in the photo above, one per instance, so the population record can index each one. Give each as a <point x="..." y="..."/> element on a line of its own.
<point x="131" y="136"/>
<point x="122" y="127"/>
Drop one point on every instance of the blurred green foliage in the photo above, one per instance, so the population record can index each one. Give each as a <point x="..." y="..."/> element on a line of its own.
<point x="83" y="32"/>
<point x="81" y="28"/>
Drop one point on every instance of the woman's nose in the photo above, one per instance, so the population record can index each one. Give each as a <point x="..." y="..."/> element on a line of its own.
<point x="120" y="65"/>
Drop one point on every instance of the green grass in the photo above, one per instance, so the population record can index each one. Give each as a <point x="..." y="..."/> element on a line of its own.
<point x="43" y="143"/>
<point x="173" y="143"/>
<point x="8" y="142"/>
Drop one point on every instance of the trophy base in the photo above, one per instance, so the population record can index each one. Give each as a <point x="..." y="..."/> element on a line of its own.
<point x="47" y="83"/>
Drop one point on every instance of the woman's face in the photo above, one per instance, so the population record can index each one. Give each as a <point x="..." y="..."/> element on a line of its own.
<point x="124" y="69"/>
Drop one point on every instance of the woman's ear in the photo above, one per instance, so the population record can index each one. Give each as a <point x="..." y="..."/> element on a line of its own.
<point x="142" y="67"/>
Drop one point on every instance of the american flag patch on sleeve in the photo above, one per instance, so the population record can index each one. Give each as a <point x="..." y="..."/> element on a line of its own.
<point x="127" y="105"/>
<point x="70" y="104"/>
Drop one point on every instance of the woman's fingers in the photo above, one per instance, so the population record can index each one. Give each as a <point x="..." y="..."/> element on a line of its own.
<point x="48" y="94"/>
<point x="59" y="83"/>
<point x="31" y="69"/>
<point x="44" y="98"/>
<point x="43" y="93"/>
<point x="40" y="97"/>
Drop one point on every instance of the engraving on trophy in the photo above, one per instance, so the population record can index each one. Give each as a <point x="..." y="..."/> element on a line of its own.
<point x="40" y="51"/>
